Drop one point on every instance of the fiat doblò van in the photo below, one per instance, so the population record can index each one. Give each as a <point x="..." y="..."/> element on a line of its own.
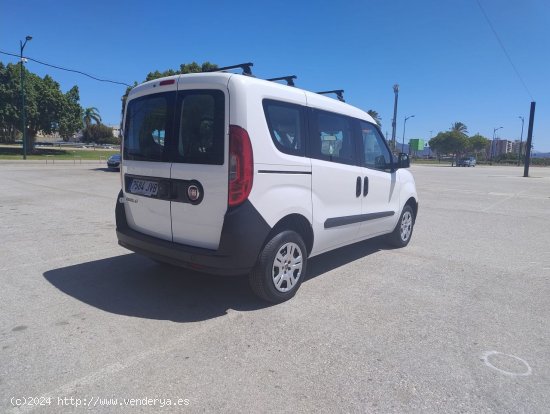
<point x="230" y="174"/>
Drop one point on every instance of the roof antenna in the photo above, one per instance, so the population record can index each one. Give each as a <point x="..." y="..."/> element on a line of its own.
<point x="289" y="79"/>
<point x="339" y="94"/>
<point x="244" y="66"/>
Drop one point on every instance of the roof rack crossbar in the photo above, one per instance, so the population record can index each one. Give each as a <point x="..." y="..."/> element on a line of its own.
<point x="289" y="79"/>
<point x="338" y="92"/>
<point x="244" y="66"/>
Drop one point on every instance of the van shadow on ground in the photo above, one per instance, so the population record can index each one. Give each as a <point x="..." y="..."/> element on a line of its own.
<point x="105" y="169"/>
<point x="135" y="286"/>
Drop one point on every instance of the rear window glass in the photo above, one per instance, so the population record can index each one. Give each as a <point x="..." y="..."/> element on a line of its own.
<point x="201" y="120"/>
<point x="148" y="124"/>
<point x="286" y="125"/>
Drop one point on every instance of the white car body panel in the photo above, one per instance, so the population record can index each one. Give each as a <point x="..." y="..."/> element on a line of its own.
<point x="275" y="195"/>
<point x="148" y="215"/>
<point x="383" y="196"/>
<point x="333" y="195"/>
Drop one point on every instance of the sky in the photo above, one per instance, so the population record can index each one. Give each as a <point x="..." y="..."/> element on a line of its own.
<point x="443" y="54"/>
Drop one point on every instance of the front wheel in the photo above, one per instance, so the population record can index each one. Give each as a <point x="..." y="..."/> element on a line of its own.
<point x="401" y="235"/>
<point x="280" y="268"/>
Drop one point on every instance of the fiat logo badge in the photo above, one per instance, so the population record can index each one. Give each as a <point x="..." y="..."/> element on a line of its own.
<point x="193" y="192"/>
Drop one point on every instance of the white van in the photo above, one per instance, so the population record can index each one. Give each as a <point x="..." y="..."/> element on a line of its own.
<point x="229" y="174"/>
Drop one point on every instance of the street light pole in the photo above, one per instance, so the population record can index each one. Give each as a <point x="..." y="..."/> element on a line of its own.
<point x="22" y="46"/>
<point x="520" y="139"/>
<point x="493" y="147"/>
<point x="404" y="126"/>
<point x="394" y="121"/>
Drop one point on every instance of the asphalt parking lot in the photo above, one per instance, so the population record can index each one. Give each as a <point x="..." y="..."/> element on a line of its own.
<point x="459" y="321"/>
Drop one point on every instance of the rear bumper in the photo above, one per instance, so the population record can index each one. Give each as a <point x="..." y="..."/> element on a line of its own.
<point x="243" y="236"/>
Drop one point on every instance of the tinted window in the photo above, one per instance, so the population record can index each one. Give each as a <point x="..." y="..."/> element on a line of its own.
<point x="201" y="120"/>
<point x="332" y="137"/>
<point x="148" y="122"/>
<point x="376" y="152"/>
<point x="286" y="125"/>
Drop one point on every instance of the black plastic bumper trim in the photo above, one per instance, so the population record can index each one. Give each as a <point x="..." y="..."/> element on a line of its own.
<point x="243" y="236"/>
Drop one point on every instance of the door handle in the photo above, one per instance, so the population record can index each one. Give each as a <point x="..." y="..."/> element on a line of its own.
<point x="365" y="186"/>
<point x="358" y="187"/>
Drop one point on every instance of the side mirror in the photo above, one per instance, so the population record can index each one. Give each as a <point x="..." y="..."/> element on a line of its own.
<point x="403" y="161"/>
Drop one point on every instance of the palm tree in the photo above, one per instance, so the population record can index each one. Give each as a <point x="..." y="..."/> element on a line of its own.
<point x="459" y="127"/>
<point x="91" y="114"/>
<point x="377" y="118"/>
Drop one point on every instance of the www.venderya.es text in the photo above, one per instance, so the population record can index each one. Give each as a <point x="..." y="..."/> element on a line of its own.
<point x="94" y="401"/>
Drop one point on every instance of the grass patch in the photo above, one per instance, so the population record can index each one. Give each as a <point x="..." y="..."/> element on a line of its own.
<point x="429" y="162"/>
<point x="16" y="153"/>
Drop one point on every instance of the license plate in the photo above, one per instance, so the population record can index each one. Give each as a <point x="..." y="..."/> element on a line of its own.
<point x="144" y="187"/>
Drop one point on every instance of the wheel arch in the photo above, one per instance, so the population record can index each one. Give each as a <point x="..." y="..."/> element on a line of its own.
<point x="413" y="204"/>
<point x="297" y="223"/>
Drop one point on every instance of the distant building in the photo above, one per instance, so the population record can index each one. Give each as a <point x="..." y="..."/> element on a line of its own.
<point x="43" y="137"/>
<point x="116" y="130"/>
<point x="500" y="147"/>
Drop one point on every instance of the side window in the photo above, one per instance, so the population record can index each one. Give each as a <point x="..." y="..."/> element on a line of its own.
<point x="147" y="121"/>
<point x="286" y="126"/>
<point x="200" y="139"/>
<point x="377" y="155"/>
<point x="332" y="138"/>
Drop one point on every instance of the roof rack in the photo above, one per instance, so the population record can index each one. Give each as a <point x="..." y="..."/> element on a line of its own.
<point x="339" y="94"/>
<point x="289" y="79"/>
<point x="244" y="66"/>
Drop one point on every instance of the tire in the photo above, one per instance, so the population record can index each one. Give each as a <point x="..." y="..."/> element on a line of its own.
<point x="401" y="235"/>
<point x="280" y="268"/>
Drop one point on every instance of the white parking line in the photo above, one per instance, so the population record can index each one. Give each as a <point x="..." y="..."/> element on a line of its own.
<point x="503" y="200"/>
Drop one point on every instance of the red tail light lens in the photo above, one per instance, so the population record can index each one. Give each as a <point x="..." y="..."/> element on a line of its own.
<point x="241" y="165"/>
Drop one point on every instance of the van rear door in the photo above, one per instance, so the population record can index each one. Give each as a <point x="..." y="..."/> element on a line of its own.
<point x="199" y="162"/>
<point x="146" y="166"/>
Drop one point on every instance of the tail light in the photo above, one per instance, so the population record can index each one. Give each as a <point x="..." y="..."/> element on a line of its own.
<point x="241" y="165"/>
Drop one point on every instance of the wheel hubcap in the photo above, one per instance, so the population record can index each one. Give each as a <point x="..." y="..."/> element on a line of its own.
<point x="406" y="226"/>
<point x="287" y="267"/>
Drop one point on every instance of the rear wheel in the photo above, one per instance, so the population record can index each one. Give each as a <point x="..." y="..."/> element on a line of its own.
<point x="402" y="233"/>
<point x="281" y="267"/>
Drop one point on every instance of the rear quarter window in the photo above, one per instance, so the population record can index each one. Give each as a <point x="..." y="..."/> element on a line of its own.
<point x="286" y="123"/>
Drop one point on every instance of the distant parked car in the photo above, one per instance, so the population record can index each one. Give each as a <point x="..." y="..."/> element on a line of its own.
<point x="114" y="161"/>
<point x="467" y="162"/>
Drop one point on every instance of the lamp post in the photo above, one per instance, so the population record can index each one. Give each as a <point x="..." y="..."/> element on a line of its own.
<point x="394" y="120"/>
<point x="404" y="126"/>
<point x="22" y="46"/>
<point x="493" y="147"/>
<point x="520" y="139"/>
